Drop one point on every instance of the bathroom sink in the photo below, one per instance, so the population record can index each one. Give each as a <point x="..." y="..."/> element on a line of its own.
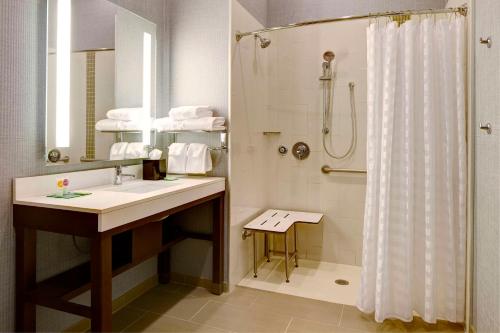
<point x="141" y="187"/>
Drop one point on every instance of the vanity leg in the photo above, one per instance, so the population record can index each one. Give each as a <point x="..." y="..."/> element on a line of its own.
<point x="164" y="267"/>
<point x="218" y="246"/>
<point x="101" y="274"/>
<point x="25" y="278"/>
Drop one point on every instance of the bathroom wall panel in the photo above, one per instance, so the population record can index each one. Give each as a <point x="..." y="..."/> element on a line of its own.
<point x="256" y="8"/>
<point x="22" y="136"/>
<point x="282" y="12"/>
<point x="248" y="146"/>
<point x="198" y="33"/>
<point x="486" y="274"/>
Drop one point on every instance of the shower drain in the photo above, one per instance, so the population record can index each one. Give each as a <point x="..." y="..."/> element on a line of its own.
<point x="342" y="282"/>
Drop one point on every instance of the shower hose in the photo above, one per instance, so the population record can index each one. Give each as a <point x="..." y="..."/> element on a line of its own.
<point x="328" y="93"/>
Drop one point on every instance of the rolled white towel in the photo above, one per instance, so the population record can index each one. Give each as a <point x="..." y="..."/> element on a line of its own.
<point x="199" y="160"/>
<point x="204" y="124"/>
<point x="117" y="151"/>
<point x="177" y="155"/>
<point x="136" y="150"/>
<point x="117" y="125"/>
<point x="155" y="154"/>
<point x="190" y="112"/>
<point x="126" y="114"/>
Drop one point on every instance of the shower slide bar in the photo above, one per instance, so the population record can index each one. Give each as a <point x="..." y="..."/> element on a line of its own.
<point x="326" y="170"/>
<point x="459" y="10"/>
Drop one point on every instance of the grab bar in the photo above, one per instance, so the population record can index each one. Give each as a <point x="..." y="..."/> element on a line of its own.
<point x="326" y="170"/>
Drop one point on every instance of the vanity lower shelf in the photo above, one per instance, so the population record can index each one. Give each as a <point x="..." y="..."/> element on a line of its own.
<point x="57" y="291"/>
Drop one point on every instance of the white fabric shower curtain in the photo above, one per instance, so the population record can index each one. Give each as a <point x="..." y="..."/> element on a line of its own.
<point x="415" y="213"/>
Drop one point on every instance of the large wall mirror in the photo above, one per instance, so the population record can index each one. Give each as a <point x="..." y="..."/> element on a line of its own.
<point x="101" y="80"/>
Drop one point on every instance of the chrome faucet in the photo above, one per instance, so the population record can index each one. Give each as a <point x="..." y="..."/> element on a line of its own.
<point x="119" y="174"/>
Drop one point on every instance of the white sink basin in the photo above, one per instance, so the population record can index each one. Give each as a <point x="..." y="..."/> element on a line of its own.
<point x="141" y="187"/>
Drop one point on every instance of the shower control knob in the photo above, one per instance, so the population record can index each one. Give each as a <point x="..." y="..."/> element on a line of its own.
<point x="301" y="150"/>
<point x="283" y="150"/>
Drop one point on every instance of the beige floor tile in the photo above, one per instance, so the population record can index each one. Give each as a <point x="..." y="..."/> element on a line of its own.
<point x="239" y="296"/>
<point x="156" y="323"/>
<point x="308" y="326"/>
<point x="171" y="304"/>
<point x="171" y="287"/>
<point x="125" y="317"/>
<point x="354" y="319"/>
<point x="328" y="313"/>
<point x="241" y="319"/>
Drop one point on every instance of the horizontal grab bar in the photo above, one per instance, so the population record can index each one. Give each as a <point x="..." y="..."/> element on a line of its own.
<point x="326" y="169"/>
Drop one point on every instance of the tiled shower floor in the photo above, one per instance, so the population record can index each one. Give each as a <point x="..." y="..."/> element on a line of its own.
<point x="312" y="279"/>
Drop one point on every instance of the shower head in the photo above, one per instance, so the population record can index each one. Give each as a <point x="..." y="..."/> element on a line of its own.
<point x="264" y="42"/>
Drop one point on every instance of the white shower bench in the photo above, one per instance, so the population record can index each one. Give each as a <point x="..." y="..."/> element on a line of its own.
<point x="276" y="221"/>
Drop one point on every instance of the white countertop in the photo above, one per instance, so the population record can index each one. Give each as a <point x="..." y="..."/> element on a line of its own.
<point x="107" y="198"/>
<point x="115" y="204"/>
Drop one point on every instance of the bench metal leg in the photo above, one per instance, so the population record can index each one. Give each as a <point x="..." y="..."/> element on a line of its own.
<point x="286" y="256"/>
<point x="254" y="254"/>
<point x="295" y="245"/>
<point x="266" y="247"/>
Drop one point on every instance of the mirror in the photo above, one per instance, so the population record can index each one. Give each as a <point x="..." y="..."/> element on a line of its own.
<point x="101" y="57"/>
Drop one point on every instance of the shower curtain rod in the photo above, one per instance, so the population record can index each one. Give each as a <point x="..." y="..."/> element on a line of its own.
<point x="460" y="10"/>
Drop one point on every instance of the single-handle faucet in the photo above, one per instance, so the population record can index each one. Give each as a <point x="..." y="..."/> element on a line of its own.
<point x="119" y="174"/>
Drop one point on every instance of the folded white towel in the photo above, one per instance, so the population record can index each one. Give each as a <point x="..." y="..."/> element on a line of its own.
<point x="190" y="112"/>
<point x="117" y="151"/>
<point x="204" y="124"/>
<point x="201" y="124"/>
<point x="136" y="150"/>
<point x="117" y="125"/>
<point x="126" y="114"/>
<point x="177" y="154"/>
<point x="167" y="124"/>
<point x="199" y="160"/>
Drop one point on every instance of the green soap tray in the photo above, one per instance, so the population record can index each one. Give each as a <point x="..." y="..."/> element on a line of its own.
<point x="69" y="195"/>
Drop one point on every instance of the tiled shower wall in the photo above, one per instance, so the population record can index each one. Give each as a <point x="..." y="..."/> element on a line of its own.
<point x="295" y="109"/>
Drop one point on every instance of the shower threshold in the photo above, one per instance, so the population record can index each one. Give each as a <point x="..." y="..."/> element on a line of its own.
<point x="312" y="279"/>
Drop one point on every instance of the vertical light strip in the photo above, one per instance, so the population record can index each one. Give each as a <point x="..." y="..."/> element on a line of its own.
<point x="146" y="89"/>
<point x="63" y="72"/>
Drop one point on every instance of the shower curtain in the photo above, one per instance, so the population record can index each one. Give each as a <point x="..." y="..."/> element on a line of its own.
<point x="415" y="214"/>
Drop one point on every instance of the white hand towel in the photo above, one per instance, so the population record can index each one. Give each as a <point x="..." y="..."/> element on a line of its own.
<point x="177" y="154"/>
<point x="199" y="160"/>
<point x="136" y="150"/>
<point x="204" y="124"/>
<point x="117" y="125"/>
<point x="126" y="114"/>
<point x="117" y="151"/>
<point x="190" y="112"/>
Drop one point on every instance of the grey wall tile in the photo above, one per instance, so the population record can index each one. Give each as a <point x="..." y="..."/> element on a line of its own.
<point x="22" y="141"/>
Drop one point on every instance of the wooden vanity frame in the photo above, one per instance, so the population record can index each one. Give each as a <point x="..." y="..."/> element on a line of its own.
<point x="96" y="275"/>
